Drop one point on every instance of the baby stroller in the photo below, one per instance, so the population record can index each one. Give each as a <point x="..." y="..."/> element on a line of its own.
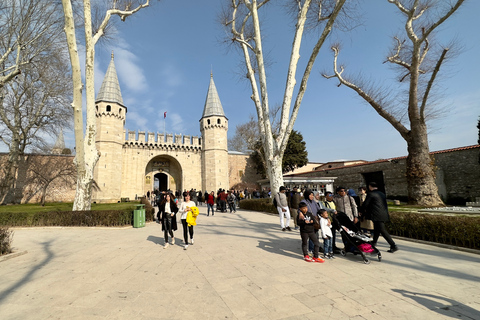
<point x="353" y="239"/>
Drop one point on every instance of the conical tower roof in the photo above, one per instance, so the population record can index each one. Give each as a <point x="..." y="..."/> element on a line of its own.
<point x="60" y="143"/>
<point x="110" y="89"/>
<point x="213" y="106"/>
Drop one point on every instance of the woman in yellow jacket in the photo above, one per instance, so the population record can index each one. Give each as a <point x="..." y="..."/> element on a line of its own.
<point x="186" y="207"/>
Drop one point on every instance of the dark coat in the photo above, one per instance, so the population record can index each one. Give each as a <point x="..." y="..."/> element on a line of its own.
<point x="375" y="206"/>
<point x="174" y="209"/>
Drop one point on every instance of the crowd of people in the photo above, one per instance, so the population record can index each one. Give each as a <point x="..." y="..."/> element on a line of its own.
<point x="316" y="218"/>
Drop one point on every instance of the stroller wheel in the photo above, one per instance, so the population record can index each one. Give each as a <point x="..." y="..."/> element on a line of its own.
<point x="343" y="253"/>
<point x="366" y="261"/>
<point x="379" y="257"/>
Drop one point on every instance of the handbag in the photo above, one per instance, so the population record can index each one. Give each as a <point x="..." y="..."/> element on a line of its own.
<point x="366" y="224"/>
<point x="316" y="223"/>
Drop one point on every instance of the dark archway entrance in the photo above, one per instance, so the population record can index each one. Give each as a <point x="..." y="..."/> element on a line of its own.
<point x="160" y="181"/>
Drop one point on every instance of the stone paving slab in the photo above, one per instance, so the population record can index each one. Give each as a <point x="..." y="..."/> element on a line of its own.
<point x="242" y="266"/>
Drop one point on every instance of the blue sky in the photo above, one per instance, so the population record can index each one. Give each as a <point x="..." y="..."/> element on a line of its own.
<point x="164" y="55"/>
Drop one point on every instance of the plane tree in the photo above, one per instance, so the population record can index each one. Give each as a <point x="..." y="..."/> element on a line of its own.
<point x="418" y="57"/>
<point x="94" y="27"/>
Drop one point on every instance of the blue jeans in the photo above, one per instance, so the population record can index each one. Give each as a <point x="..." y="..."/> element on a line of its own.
<point x="327" y="245"/>
<point x="209" y="206"/>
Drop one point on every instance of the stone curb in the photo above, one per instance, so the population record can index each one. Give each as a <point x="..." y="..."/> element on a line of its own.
<point x="440" y="245"/>
<point x="12" y="255"/>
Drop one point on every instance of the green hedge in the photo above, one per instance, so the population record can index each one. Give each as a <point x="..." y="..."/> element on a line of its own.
<point x="263" y="204"/>
<point x="462" y="231"/>
<point x="107" y="218"/>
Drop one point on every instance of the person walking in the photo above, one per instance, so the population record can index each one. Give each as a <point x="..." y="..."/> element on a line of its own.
<point x="185" y="207"/>
<point x="231" y="201"/>
<point x="168" y="210"/>
<point x="282" y="208"/>
<point x="376" y="209"/>
<point x="326" y="229"/>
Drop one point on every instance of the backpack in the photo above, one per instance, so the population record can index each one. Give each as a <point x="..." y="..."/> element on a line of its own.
<point x="275" y="204"/>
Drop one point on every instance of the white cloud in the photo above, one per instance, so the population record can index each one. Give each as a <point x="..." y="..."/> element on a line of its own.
<point x="129" y="72"/>
<point x="139" y="121"/>
<point x="173" y="124"/>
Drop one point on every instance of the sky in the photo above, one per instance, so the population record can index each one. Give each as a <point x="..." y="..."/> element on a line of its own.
<point x="164" y="55"/>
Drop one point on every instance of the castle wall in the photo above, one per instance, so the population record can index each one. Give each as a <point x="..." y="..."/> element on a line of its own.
<point x="143" y="157"/>
<point x="242" y="172"/>
<point x="28" y="189"/>
<point x="457" y="175"/>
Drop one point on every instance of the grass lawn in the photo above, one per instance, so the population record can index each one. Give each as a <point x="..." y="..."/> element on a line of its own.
<point x="61" y="206"/>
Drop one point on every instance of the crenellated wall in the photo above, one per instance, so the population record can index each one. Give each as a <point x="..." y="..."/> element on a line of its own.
<point x="161" y="140"/>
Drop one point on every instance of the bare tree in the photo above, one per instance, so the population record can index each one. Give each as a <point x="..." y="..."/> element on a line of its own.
<point x="86" y="151"/>
<point x="418" y="61"/>
<point x="34" y="88"/>
<point x="243" y="22"/>
<point x="45" y="169"/>
<point x="247" y="134"/>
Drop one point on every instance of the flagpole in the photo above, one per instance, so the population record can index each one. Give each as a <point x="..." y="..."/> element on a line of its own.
<point x="164" y="131"/>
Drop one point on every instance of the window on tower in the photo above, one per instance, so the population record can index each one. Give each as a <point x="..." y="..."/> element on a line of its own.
<point x="109" y="108"/>
<point x="208" y="121"/>
<point x="218" y="121"/>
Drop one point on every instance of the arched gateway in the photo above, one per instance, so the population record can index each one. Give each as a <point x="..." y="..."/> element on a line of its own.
<point x="129" y="166"/>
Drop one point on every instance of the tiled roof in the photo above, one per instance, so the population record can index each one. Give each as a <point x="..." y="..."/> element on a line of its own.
<point x="388" y="160"/>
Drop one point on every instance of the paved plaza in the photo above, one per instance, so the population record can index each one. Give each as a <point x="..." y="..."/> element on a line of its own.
<point x="242" y="266"/>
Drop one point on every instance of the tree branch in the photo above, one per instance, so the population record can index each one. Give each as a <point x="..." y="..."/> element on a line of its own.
<point x="430" y="83"/>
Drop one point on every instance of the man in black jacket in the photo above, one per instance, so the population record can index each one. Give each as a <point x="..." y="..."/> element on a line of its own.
<point x="376" y="209"/>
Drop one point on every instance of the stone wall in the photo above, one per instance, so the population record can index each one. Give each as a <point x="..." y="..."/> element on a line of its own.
<point x="457" y="170"/>
<point x="28" y="190"/>
<point x="242" y="172"/>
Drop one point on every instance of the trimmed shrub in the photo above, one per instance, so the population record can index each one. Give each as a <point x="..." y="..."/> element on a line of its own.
<point x="5" y="241"/>
<point x="149" y="210"/>
<point x="462" y="231"/>
<point x="107" y="218"/>
<point x="262" y="204"/>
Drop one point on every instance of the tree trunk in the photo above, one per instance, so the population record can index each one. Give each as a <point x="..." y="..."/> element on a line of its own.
<point x="421" y="186"/>
<point x="275" y="174"/>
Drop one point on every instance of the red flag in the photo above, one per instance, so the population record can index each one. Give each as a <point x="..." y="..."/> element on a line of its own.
<point x="164" y="114"/>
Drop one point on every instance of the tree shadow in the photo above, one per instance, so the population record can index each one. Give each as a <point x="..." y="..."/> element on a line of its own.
<point x="50" y="255"/>
<point x="441" y="305"/>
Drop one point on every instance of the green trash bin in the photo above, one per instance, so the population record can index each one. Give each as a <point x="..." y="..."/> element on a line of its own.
<point x="139" y="216"/>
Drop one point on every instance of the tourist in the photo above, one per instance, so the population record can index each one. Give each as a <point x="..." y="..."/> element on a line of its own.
<point x="210" y="201"/>
<point x="167" y="210"/>
<point x="307" y="232"/>
<point x="222" y="200"/>
<point x="376" y="209"/>
<point x="282" y="208"/>
<point x="186" y="206"/>
<point x="329" y="204"/>
<point x="326" y="229"/>
<point x="294" y="202"/>
<point x="231" y="201"/>
<point x="346" y="204"/>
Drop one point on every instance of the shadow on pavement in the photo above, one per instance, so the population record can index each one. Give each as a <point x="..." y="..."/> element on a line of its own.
<point x="4" y="294"/>
<point x="442" y="305"/>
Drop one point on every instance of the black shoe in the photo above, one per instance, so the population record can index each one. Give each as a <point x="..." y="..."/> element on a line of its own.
<point x="288" y="228"/>
<point x="393" y="249"/>
<point x="283" y="229"/>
